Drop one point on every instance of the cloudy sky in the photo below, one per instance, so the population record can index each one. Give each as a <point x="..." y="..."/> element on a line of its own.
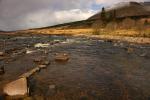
<point x="24" y="14"/>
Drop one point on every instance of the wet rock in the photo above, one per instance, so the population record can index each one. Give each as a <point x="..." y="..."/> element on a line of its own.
<point x="143" y="55"/>
<point x="52" y="86"/>
<point x="42" y="66"/>
<point x="118" y="44"/>
<point x="46" y="51"/>
<point x="56" y="41"/>
<point x="2" y="53"/>
<point x="62" y="57"/>
<point x="129" y="50"/>
<point x="41" y="45"/>
<point x="115" y="44"/>
<point x="30" y="51"/>
<point x="17" y="88"/>
<point x="45" y="62"/>
<point x="31" y="72"/>
<point x="121" y="44"/>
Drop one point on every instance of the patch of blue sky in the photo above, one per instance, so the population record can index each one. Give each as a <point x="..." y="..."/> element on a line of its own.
<point x="96" y="7"/>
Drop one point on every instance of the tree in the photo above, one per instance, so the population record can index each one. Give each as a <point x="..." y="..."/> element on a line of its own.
<point x="103" y="14"/>
<point x="103" y="17"/>
<point x="114" y="15"/>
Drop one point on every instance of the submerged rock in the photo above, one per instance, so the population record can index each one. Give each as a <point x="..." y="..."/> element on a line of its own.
<point x="2" y="70"/>
<point x="143" y="55"/>
<point x="42" y="66"/>
<point x="108" y="40"/>
<point x="61" y="57"/>
<point x="17" y="88"/>
<point x="129" y="50"/>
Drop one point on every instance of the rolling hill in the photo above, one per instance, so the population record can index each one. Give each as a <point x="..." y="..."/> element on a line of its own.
<point x="137" y="10"/>
<point x="130" y="9"/>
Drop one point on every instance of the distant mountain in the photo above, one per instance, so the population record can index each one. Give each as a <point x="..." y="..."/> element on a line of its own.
<point x="128" y="9"/>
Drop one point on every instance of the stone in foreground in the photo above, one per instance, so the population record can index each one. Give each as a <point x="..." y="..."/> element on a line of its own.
<point x="61" y="57"/>
<point x="17" y="88"/>
<point x="30" y="73"/>
<point x="2" y="53"/>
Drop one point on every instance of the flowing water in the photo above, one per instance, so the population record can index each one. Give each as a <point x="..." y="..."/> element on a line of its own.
<point x="96" y="70"/>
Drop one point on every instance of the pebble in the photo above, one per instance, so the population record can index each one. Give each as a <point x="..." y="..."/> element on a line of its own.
<point x="52" y="86"/>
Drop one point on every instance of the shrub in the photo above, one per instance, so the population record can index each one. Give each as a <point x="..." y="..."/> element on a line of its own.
<point x="128" y="23"/>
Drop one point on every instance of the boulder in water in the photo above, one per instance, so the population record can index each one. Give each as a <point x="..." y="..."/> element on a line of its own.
<point x="17" y="88"/>
<point x="61" y="57"/>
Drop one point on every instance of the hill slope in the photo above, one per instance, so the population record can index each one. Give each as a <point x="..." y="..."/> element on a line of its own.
<point x="131" y="9"/>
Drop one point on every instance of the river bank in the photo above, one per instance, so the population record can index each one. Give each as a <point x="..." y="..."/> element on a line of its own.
<point x="120" y="35"/>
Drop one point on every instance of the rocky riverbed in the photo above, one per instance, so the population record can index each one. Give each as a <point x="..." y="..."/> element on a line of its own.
<point x="91" y="69"/>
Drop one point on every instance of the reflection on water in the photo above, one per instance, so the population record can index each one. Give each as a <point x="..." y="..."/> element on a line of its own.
<point x="96" y="70"/>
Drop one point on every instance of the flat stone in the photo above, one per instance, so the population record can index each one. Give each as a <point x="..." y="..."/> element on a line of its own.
<point x="41" y="45"/>
<point x="17" y="88"/>
<point x="42" y="66"/>
<point x="2" y="53"/>
<point x="46" y="62"/>
<point x="62" y="57"/>
<point x="31" y="72"/>
<point x="52" y="86"/>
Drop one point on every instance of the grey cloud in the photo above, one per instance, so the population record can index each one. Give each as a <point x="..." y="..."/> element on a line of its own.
<point x="15" y="13"/>
<point x="24" y="14"/>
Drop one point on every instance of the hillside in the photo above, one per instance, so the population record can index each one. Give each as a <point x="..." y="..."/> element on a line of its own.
<point x="123" y="10"/>
<point x="131" y="9"/>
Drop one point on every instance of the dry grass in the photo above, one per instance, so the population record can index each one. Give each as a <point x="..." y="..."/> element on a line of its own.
<point x="130" y="35"/>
